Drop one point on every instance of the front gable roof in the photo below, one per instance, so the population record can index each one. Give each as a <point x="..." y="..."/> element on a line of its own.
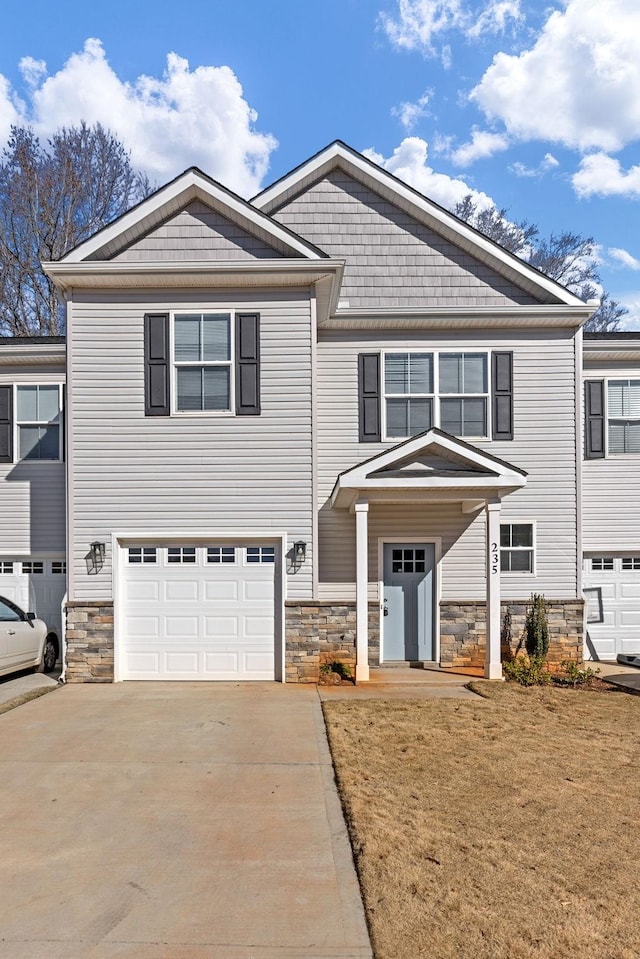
<point x="177" y="195"/>
<point x="338" y="156"/>
<point x="432" y="461"/>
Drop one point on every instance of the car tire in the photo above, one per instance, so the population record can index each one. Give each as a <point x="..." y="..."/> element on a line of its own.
<point x="49" y="654"/>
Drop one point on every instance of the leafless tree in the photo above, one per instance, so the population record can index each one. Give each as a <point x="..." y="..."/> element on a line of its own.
<point x="566" y="257"/>
<point x="53" y="196"/>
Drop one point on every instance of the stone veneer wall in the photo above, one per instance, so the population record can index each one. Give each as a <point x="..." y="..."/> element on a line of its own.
<point x="318" y="632"/>
<point x="89" y="636"/>
<point x="463" y="630"/>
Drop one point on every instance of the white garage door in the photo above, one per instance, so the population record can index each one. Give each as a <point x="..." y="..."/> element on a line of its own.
<point x="612" y="601"/>
<point x="199" y="612"/>
<point x="37" y="584"/>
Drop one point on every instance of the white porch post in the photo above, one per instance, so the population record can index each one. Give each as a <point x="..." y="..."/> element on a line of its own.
<point x="493" y="664"/>
<point x="362" y="591"/>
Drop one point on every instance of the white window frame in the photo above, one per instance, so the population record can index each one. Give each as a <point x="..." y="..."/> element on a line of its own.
<point x="216" y="310"/>
<point x="436" y="396"/>
<point x="520" y="549"/>
<point x="17" y="423"/>
<point x="607" y="417"/>
<point x="602" y="568"/>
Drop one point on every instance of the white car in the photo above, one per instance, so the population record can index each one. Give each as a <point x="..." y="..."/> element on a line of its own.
<point x="25" y="641"/>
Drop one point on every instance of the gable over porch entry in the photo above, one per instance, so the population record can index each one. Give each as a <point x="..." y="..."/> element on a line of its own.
<point x="433" y="471"/>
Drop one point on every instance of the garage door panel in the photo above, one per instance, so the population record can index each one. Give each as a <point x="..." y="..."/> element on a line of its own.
<point x="630" y="617"/>
<point x="630" y="591"/>
<point x="176" y="590"/>
<point x="220" y="591"/>
<point x="202" y="620"/>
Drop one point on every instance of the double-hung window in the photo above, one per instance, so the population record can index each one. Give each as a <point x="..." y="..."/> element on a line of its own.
<point x="449" y="390"/>
<point x="408" y="381"/>
<point x="516" y="548"/>
<point x="202" y="355"/>
<point x="463" y="389"/>
<point x="623" y="413"/>
<point x="38" y="422"/>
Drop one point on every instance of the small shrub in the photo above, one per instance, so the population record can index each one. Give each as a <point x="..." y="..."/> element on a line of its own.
<point x="570" y="674"/>
<point x="537" y="628"/>
<point x="527" y="670"/>
<point x="336" y="666"/>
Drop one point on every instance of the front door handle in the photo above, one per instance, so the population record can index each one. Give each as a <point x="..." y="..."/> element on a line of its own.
<point x="385" y="609"/>
<point x="11" y="632"/>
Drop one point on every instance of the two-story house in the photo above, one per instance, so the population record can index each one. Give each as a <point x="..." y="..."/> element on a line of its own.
<point x="333" y="420"/>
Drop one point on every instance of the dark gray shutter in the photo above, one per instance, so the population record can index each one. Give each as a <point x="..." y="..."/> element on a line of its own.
<point x="63" y="421"/>
<point x="156" y="364"/>
<point x="502" y="397"/>
<point x="247" y="364"/>
<point x="369" y="397"/>
<point x="6" y="424"/>
<point x="594" y="419"/>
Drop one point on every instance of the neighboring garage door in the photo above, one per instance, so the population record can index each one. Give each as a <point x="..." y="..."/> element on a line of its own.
<point x="37" y="584"/>
<point x="198" y="612"/>
<point x="612" y="598"/>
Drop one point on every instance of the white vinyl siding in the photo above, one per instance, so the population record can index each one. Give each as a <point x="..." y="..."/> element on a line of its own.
<point x="544" y="445"/>
<point x="182" y="476"/>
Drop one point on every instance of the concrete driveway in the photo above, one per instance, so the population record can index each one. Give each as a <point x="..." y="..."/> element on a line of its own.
<point x="182" y="821"/>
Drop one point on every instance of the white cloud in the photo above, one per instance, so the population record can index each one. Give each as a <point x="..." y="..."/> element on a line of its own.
<point x="624" y="258"/>
<point x="419" y="22"/>
<point x="547" y="163"/>
<point x="630" y="322"/>
<point x="482" y="145"/>
<point x="578" y="84"/>
<point x="187" y="117"/>
<point x="602" y="175"/>
<point x="11" y="110"/>
<point x="495" y="16"/>
<point x="409" y="163"/>
<point x="409" y="113"/>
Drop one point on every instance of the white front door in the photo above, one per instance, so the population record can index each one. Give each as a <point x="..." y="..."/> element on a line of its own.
<point x="199" y="612"/>
<point x="407" y="602"/>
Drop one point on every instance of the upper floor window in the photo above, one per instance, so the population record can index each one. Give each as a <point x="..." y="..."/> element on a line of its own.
<point x="449" y="390"/>
<point x="623" y="414"/>
<point x="202" y="354"/>
<point x="38" y="422"/>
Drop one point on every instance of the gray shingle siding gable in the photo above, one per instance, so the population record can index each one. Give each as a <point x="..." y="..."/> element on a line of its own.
<point x="198" y="233"/>
<point x="392" y="260"/>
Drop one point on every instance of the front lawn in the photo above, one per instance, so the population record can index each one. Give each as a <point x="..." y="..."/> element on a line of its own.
<point x="505" y="828"/>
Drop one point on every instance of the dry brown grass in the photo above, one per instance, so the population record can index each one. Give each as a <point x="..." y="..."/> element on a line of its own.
<point x="506" y="828"/>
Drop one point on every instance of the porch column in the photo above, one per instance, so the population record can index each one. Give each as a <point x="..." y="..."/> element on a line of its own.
<point x="362" y="591"/>
<point x="493" y="664"/>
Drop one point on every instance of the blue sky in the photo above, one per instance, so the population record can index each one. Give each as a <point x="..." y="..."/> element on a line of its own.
<point x="535" y="106"/>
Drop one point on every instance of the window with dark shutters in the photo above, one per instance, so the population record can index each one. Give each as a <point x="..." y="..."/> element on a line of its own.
<point x="6" y="424"/>
<point x="369" y="397"/>
<point x="502" y="386"/>
<point x="157" y="370"/>
<point x="594" y="419"/>
<point x="247" y="364"/>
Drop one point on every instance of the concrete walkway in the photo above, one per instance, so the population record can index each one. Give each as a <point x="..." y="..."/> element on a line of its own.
<point x="406" y="682"/>
<point x="627" y="677"/>
<point x="174" y="821"/>
<point x="19" y="684"/>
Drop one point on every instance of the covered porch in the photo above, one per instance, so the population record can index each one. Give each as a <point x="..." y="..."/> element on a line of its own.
<point x="432" y="473"/>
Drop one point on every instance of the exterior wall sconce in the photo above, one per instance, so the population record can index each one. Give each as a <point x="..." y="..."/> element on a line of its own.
<point x="297" y="555"/>
<point x="95" y="557"/>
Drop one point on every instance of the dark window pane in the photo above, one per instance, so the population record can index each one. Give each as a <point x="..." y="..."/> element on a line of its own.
<point x="397" y="417"/>
<point x="451" y="416"/>
<point x="522" y="534"/>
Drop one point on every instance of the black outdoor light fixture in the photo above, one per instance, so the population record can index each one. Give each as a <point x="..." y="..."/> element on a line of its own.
<point x="95" y="557"/>
<point x="299" y="553"/>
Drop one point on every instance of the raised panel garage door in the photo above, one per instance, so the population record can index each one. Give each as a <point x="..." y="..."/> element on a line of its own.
<point x="37" y="584"/>
<point x="612" y="602"/>
<point x="198" y="612"/>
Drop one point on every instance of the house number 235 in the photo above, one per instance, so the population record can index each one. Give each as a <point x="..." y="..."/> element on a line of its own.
<point x="494" y="558"/>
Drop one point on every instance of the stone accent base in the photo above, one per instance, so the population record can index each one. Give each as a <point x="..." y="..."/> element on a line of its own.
<point x="463" y="627"/>
<point x="318" y="632"/>
<point x="89" y="636"/>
